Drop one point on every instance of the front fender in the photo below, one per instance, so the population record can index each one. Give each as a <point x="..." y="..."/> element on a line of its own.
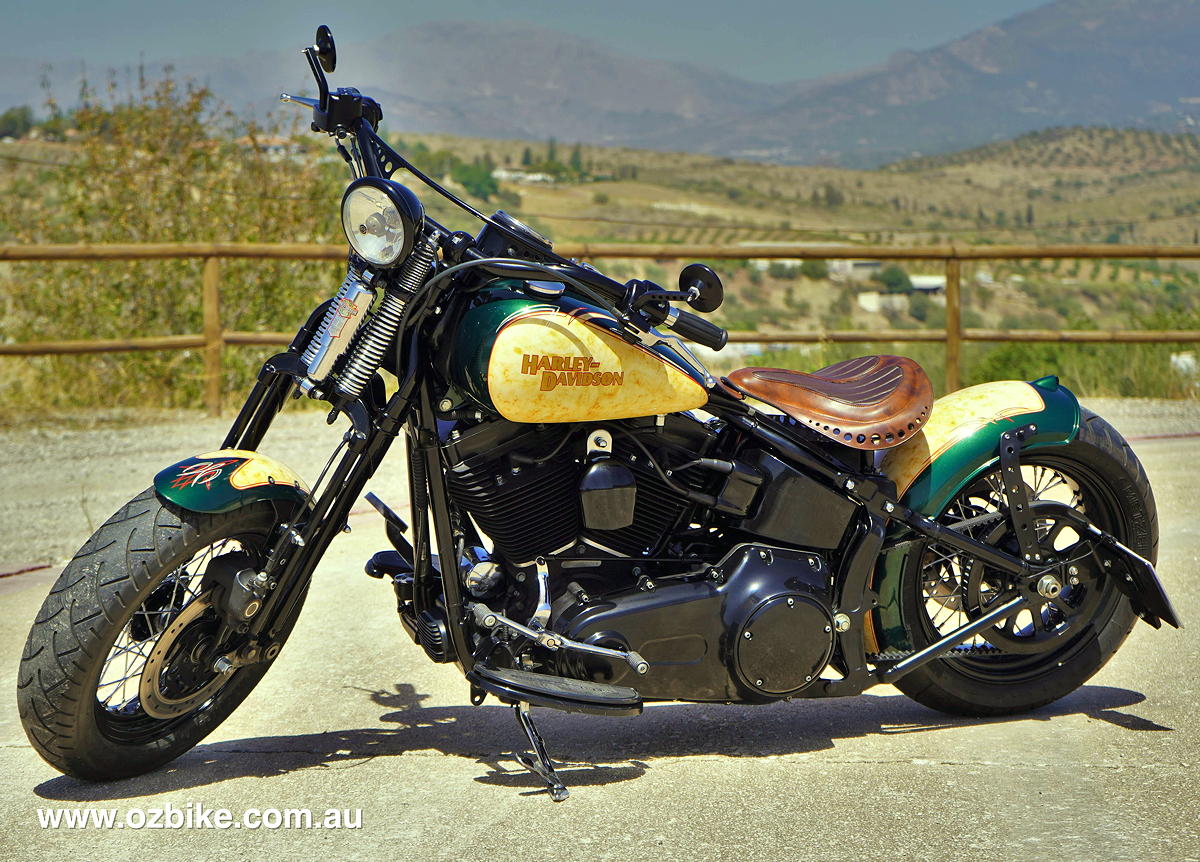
<point x="228" y="479"/>
<point x="960" y="441"/>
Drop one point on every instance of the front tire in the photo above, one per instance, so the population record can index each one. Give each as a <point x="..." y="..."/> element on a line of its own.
<point x="1029" y="662"/>
<point x="111" y="682"/>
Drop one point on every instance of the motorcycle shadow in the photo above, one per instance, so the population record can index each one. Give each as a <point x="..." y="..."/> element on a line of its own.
<point x="590" y="750"/>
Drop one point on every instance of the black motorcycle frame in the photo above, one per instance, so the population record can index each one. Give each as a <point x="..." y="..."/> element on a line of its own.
<point x="409" y="411"/>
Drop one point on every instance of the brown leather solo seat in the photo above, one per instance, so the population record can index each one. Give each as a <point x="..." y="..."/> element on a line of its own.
<point x="871" y="402"/>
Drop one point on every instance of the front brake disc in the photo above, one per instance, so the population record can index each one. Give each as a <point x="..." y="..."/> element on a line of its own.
<point x="154" y="700"/>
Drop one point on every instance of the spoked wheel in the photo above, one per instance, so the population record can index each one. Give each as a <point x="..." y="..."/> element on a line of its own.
<point x="160" y="666"/>
<point x="118" y="675"/>
<point x="1040" y="654"/>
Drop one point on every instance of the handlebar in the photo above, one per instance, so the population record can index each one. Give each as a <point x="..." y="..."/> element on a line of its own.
<point x="695" y="328"/>
<point x="624" y="296"/>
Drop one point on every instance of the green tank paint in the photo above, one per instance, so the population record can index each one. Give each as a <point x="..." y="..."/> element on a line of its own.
<point x="228" y="479"/>
<point x="953" y="469"/>
<point x="475" y="335"/>
<point x="498" y="303"/>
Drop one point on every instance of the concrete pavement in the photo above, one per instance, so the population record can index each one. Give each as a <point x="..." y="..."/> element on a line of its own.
<point x="354" y="716"/>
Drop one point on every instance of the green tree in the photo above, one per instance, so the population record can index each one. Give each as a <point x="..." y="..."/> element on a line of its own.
<point x="526" y="157"/>
<point x="893" y="278"/>
<point x="919" y="306"/>
<point x="477" y="179"/>
<point x="552" y="150"/>
<point x="16" y="122"/>
<point x="577" y="159"/>
<point x="814" y="269"/>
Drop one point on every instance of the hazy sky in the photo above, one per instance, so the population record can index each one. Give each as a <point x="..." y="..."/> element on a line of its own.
<point x="764" y="40"/>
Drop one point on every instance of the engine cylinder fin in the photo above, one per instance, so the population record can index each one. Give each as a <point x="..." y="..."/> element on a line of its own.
<point x="525" y="514"/>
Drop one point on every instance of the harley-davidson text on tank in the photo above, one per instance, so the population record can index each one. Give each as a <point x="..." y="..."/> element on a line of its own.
<point x="555" y="371"/>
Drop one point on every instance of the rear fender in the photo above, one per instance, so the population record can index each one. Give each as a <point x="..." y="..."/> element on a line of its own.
<point x="960" y="441"/>
<point x="228" y="479"/>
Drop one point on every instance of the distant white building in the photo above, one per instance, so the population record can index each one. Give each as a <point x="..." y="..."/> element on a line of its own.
<point x="523" y="177"/>
<point x="928" y="283"/>
<point x="873" y="302"/>
<point x="763" y="263"/>
<point x="854" y="270"/>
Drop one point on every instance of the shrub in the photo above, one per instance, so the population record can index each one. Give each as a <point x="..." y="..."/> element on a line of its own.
<point x="814" y="269"/>
<point x="893" y="278"/>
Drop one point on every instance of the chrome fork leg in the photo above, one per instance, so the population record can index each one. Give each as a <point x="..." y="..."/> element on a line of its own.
<point x="539" y="763"/>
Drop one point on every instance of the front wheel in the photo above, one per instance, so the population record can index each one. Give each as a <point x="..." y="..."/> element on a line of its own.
<point x="1042" y="654"/>
<point x="117" y="676"/>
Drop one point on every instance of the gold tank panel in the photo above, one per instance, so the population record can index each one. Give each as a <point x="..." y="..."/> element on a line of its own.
<point x="550" y="366"/>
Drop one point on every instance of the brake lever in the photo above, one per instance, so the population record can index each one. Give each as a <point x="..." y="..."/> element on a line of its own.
<point x="649" y="335"/>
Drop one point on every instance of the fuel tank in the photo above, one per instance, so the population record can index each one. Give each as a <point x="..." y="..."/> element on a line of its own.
<point x="563" y="360"/>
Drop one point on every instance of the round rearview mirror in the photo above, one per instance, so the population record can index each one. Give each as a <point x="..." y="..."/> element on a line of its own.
<point x="326" y="52"/>
<point x="709" y="292"/>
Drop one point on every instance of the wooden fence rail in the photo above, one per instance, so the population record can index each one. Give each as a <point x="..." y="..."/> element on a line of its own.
<point x="214" y="337"/>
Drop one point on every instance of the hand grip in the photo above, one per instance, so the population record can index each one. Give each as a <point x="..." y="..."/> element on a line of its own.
<point x="697" y="329"/>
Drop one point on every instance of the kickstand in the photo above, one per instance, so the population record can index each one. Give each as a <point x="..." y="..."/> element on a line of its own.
<point x="539" y="762"/>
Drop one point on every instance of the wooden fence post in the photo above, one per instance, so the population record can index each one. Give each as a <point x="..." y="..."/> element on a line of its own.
<point x="213" y="339"/>
<point x="953" y="323"/>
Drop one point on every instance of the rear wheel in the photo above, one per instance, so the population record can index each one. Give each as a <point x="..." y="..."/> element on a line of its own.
<point x="117" y="676"/>
<point x="1038" y="655"/>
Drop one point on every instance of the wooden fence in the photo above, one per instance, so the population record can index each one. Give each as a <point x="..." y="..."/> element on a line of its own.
<point x="214" y="337"/>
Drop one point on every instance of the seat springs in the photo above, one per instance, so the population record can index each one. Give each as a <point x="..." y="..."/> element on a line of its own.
<point x="367" y="355"/>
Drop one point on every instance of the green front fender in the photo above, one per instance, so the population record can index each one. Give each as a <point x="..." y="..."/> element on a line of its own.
<point x="228" y="479"/>
<point x="960" y="441"/>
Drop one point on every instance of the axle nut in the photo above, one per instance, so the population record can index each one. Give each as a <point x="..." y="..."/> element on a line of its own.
<point x="1049" y="587"/>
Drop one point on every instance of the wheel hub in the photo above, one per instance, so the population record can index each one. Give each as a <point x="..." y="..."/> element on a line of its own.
<point x="1061" y="598"/>
<point x="175" y="679"/>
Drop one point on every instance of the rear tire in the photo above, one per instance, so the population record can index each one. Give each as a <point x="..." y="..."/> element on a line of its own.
<point x="113" y="605"/>
<point x="1110" y="485"/>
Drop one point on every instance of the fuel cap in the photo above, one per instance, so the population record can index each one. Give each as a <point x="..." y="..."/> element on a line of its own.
<point x="546" y="289"/>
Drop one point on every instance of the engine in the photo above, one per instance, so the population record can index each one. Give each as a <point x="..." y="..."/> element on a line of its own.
<point x="728" y="601"/>
<point x="521" y="485"/>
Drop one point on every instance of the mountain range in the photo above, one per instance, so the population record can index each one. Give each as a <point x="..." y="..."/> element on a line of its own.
<point x="1071" y="62"/>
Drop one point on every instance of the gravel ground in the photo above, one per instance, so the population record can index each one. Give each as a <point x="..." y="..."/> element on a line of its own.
<point x="58" y="485"/>
<point x="354" y="715"/>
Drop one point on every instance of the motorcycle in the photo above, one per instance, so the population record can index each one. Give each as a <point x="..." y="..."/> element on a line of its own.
<point x="597" y="520"/>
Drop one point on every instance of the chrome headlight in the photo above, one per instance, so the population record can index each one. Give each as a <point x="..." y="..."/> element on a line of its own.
<point x="381" y="219"/>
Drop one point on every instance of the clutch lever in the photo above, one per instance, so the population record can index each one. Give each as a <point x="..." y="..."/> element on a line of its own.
<point x="300" y="101"/>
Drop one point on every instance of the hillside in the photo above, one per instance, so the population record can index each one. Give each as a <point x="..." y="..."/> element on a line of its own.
<point x="1113" y="62"/>
<point x="1085" y="62"/>
<point x="1062" y="185"/>
<point x="1074" y="148"/>
<point x="122" y="182"/>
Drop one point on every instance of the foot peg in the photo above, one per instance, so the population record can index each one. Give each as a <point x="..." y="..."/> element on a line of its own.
<point x="539" y="762"/>
<point x="388" y="564"/>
